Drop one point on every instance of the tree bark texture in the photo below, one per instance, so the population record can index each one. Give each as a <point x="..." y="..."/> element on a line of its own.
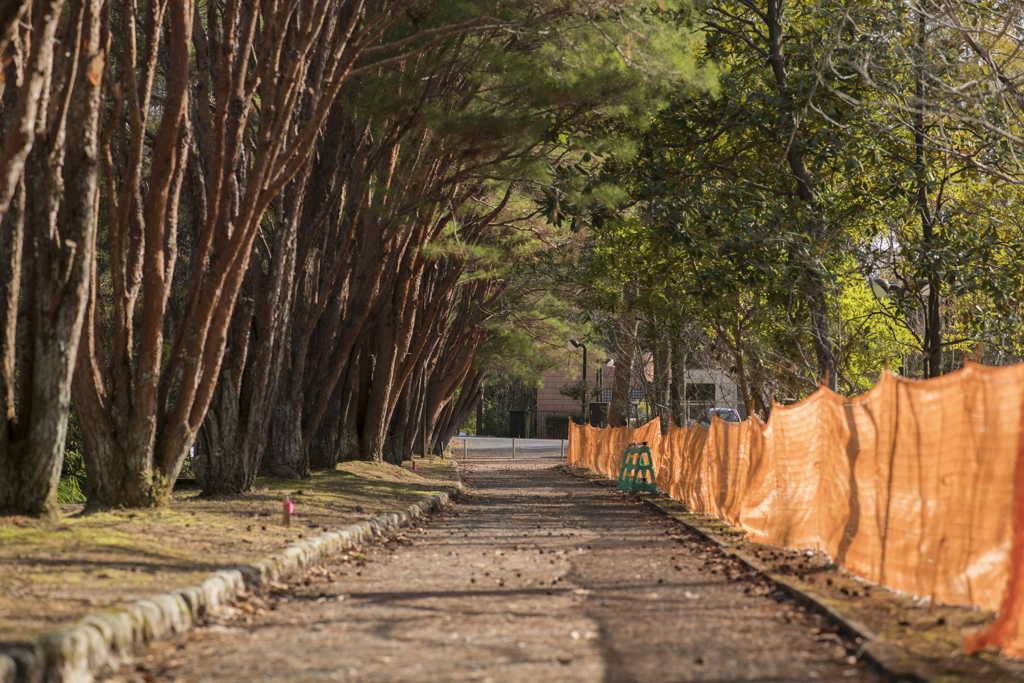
<point x="146" y="401"/>
<point x="663" y="381"/>
<point x="120" y="402"/>
<point x="619" y="410"/>
<point x="49" y="241"/>
<point x="932" y="346"/>
<point x="814" y="282"/>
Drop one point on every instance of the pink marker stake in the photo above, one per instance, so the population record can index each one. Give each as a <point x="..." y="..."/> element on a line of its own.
<point x="288" y="511"/>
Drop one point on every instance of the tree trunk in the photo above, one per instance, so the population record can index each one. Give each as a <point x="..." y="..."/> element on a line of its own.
<point x="663" y="381"/>
<point x="480" y="413"/>
<point x="932" y="347"/>
<point x="154" y="396"/>
<point x="348" y="417"/>
<point x="408" y="415"/>
<point x="287" y="457"/>
<point x="814" y="285"/>
<point x="125" y="461"/>
<point x="470" y="397"/>
<point x="235" y="428"/>
<point x="438" y="439"/>
<point x="619" y="410"/>
<point x="230" y="445"/>
<point x="325" y="446"/>
<point x="51" y="241"/>
<point x="678" y="388"/>
<point x="218" y="467"/>
<point x="821" y="330"/>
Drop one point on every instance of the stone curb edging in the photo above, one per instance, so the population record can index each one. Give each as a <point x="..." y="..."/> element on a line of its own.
<point x="876" y="650"/>
<point x="880" y="653"/>
<point x="100" y="643"/>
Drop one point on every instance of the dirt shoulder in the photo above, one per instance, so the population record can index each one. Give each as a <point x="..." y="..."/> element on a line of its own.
<point x="931" y="633"/>
<point x="52" y="574"/>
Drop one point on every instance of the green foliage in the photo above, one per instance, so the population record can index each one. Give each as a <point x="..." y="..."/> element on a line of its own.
<point x="469" y="425"/>
<point x="581" y="391"/>
<point x="722" y="246"/>
<point x="72" y="486"/>
<point x="558" y="425"/>
<point x="496" y="420"/>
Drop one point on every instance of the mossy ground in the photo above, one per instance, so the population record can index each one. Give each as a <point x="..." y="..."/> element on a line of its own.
<point x="54" y="573"/>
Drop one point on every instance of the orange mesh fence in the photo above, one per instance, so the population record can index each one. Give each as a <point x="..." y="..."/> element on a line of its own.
<point x="601" y="450"/>
<point x="913" y="485"/>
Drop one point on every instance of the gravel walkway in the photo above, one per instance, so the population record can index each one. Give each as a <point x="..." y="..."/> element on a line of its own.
<point x="532" y="576"/>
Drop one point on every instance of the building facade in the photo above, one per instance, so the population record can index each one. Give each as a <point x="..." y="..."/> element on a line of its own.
<point x="704" y="389"/>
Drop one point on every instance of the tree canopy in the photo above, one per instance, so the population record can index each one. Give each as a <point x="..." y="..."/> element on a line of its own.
<point x="265" y="237"/>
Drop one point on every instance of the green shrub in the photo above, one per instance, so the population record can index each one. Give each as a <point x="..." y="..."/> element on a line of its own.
<point x="495" y="421"/>
<point x="469" y="426"/>
<point x="187" y="472"/>
<point x="71" y="488"/>
<point x="558" y="425"/>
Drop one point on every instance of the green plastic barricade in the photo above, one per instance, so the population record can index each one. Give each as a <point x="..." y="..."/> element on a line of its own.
<point x="637" y="473"/>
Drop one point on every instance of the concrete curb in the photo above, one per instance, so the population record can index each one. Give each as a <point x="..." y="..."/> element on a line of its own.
<point x="878" y="652"/>
<point x="98" y="644"/>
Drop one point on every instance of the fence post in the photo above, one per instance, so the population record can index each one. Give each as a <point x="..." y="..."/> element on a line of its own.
<point x="513" y="448"/>
<point x="465" y="448"/>
<point x="561" y="449"/>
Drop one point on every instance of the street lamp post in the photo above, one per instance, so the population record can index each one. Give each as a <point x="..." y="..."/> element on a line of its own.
<point x="606" y="363"/>
<point x="572" y="345"/>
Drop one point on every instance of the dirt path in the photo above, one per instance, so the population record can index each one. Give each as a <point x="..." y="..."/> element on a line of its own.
<point x="533" y="576"/>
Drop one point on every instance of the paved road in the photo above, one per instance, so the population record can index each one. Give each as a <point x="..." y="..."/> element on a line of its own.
<point x="533" y="576"/>
<point x="497" y="447"/>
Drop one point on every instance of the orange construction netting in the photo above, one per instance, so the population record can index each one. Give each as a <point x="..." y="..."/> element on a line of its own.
<point x="913" y="485"/>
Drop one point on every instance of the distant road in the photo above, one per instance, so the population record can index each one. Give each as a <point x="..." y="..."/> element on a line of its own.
<point x="495" y="447"/>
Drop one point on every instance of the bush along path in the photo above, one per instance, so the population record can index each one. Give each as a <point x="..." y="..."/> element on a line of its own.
<point x="67" y="557"/>
<point x="533" y="576"/>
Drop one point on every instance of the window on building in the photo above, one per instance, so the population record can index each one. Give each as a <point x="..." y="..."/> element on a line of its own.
<point x="606" y="396"/>
<point x="636" y="394"/>
<point x="701" y="393"/>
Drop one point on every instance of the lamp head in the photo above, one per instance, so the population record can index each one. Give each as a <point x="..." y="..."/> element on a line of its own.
<point x="609" y="362"/>
<point x="879" y="287"/>
<point x="572" y="344"/>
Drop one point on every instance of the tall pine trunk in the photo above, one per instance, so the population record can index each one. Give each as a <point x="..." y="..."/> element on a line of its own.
<point x="50" y="240"/>
<point x="325" y="445"/>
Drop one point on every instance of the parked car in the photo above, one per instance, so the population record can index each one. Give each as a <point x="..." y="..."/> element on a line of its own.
<point x="725" y="414"/>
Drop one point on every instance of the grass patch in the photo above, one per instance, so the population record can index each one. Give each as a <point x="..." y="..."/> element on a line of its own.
<point x="53" y="573"/>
